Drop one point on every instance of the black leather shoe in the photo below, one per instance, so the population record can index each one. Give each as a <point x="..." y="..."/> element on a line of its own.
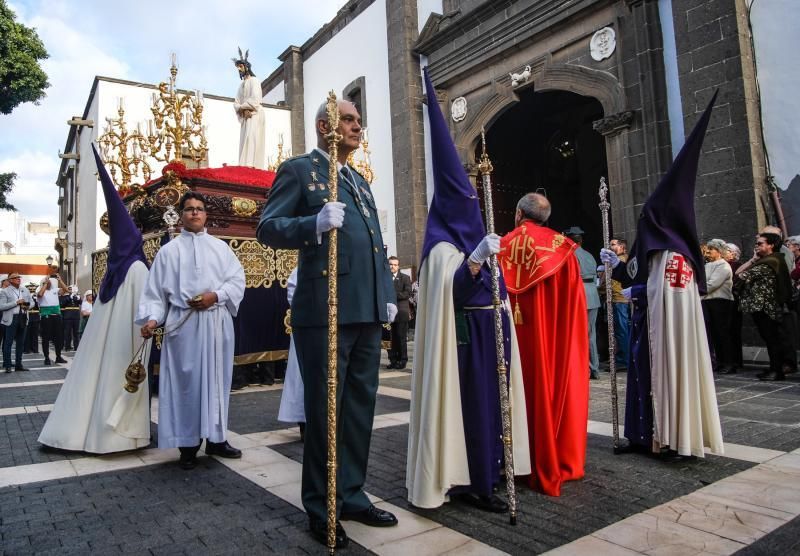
<point x="60" y="360"/>
<point x="188" y="459"/>
<point x="391" y="365"/>
<point x="372" y="516"/>
<point x="20" y="368"/>
<point x="47" y="361"/>
<point x="727" y="371"/>
<point x="400" y="366"/>
<point x="223" y="450"/>
<point x="771" y="376"/>
<point x="491" y="503"/>
<point x="319" y="530"/>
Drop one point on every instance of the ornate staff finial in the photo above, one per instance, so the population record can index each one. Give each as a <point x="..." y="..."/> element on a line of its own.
<point x="485" y="165"/>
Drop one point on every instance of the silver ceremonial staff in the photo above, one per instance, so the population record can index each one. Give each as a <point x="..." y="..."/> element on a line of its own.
<point x="485" y="168"/>
<point x="605" y="206"/>
<point x="333" y="138"/>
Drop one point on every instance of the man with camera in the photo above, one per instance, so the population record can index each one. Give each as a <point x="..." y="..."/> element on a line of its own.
<point x="50" y="288"/>
<point x="14" y="302"/>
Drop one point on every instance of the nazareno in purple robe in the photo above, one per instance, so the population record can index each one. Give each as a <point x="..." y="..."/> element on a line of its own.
<point x="477" y="368"/>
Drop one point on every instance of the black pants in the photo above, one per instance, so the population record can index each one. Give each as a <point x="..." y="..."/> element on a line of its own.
<point x="32" y="337"/>
<point x="52" y="331"/>
<point x="772" y="334"/>
<point x="789" y="337"/>
<point x="399" y="350"/>
<point x="359" y="356"/>
<point x="718" y="314"/>
<point x="71" y="333"/>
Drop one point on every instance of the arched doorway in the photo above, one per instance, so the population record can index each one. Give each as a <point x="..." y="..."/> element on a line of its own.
<point x="546" y="143"/>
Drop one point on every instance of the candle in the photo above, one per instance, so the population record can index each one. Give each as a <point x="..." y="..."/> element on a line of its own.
<point x="174" y="59"/>
<point x="150" y="127"/>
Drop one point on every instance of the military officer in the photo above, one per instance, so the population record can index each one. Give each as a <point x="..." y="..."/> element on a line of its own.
<point x="298" y="215"/>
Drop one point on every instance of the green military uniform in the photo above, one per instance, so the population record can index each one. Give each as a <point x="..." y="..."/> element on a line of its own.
<point x="365" y="288"/>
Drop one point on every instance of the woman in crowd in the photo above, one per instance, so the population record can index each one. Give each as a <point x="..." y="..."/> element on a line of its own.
<point x="718" y="306"/>
<point x="765" y="292"/>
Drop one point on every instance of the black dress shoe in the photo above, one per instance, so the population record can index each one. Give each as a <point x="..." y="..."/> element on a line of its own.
<point x="60" y="360"/>
<point x="188" y="459"/>
<point x="20" y="368"/>
<point x="400" y="366"/>
<point x="372" y="516"/>
<point x="391" y="365"/>
<point x="771" y="376"/>
<point x="47" y="361"/>
<point x="727" y="371"/>
<point x="319" y="530"/>
<point x="491" y="503"/>
<point x="631" y="448"/>
<point x="223" y="450"/>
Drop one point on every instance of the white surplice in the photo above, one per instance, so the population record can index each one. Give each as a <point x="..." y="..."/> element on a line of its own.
<point x="437" y="447"/>
<point x="251" y="135"/>
<point x="92" y="412"/>
<point x="197" y="352"/>
<point x="685" y="414"/>
<point x="292" y="409"/>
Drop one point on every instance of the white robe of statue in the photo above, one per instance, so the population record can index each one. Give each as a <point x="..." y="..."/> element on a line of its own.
<point x="197" y="356"/>
<point x="437" y="448"/>
<point x="292" y="409"/>
<point x="251" y="136"/>
<point x="92" y="412"/>
<point x="685" y="414"/>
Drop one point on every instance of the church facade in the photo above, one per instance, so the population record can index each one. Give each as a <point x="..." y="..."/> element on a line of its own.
<point x="568" y="91"/>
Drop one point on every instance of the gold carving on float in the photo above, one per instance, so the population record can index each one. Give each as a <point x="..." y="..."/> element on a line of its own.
<point x="99" y="266"/>
<point x="104" y="223"/>
<point x="263" y="265"/>
<point x="243" y="207"/>
<point x="151" y="247"/>
<point x="287" y="321"/>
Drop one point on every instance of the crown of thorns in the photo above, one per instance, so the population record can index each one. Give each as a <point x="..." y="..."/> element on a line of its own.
<point x="242" y="59"/>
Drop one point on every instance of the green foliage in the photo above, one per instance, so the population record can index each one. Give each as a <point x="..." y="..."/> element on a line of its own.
<point x="6" y="185"/>
<point x="21" y="77"/>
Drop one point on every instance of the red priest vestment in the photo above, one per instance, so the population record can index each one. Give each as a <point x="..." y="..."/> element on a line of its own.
<point x="545" y="288"/>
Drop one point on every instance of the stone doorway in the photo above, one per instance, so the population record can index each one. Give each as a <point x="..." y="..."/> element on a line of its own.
<point x="546" y="143"/>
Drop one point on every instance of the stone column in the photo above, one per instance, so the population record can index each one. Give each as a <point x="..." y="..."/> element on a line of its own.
<point x="408" y="141"/>
<point x="292" y="59"/>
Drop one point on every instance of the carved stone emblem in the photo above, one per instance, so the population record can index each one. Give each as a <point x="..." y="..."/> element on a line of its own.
<point x="458" y="111"/>
<point x="603" y="44"/>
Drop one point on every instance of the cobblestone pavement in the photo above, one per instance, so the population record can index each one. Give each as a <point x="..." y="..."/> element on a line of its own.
<point x="114" y="504"/>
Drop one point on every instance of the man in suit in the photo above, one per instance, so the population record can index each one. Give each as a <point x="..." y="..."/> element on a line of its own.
<point x="398" y="354"/>
<point x="14" y="302"/>
<point x="298" y="215"/>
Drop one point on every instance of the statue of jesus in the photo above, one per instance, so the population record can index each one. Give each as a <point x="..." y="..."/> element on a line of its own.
<point x="251" y="115"/>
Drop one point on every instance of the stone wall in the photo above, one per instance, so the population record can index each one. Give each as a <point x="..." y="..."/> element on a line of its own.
<point x="714" y="53"/>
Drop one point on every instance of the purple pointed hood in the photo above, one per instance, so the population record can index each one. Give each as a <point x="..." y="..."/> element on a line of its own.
<point x="125" y="244"/>
<point x="667" y="220"/>
<point x="455" y="214"/>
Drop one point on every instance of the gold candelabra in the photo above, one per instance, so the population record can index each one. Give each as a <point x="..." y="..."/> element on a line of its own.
<point x="364" y="164"/>
<point x="124" y="151"/>
<point x="273" y="166"/>
<point x="176" y="129"/>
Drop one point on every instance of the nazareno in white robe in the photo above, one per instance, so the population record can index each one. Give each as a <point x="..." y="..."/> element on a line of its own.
<point x="292" y="409"/>
<point x="251" y="135"/>
<point x="197" y="357"/>
<point x="437" y="450"/>
<point x="92" y="412"/>
<point x="685" y="413"/>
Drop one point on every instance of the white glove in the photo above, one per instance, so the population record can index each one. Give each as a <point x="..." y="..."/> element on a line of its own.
<point x="626" y="293"/>
<point x="331" y="216"/>
<point x="490" y="245"/>
<point x="609" y="258"/>
<point x="391" y="308"/>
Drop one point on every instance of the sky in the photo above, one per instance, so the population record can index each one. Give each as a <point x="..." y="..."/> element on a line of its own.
<point x="133" y="40"/>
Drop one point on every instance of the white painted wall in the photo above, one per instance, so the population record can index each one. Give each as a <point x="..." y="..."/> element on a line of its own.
<point x="359" y="49"/>
<point x="775" y="32"/>
<point x="223" y="140"/>
<point x="276" y="95"/>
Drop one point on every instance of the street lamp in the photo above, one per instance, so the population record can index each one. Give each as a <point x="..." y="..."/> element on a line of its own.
<point x="62" y="234"/>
